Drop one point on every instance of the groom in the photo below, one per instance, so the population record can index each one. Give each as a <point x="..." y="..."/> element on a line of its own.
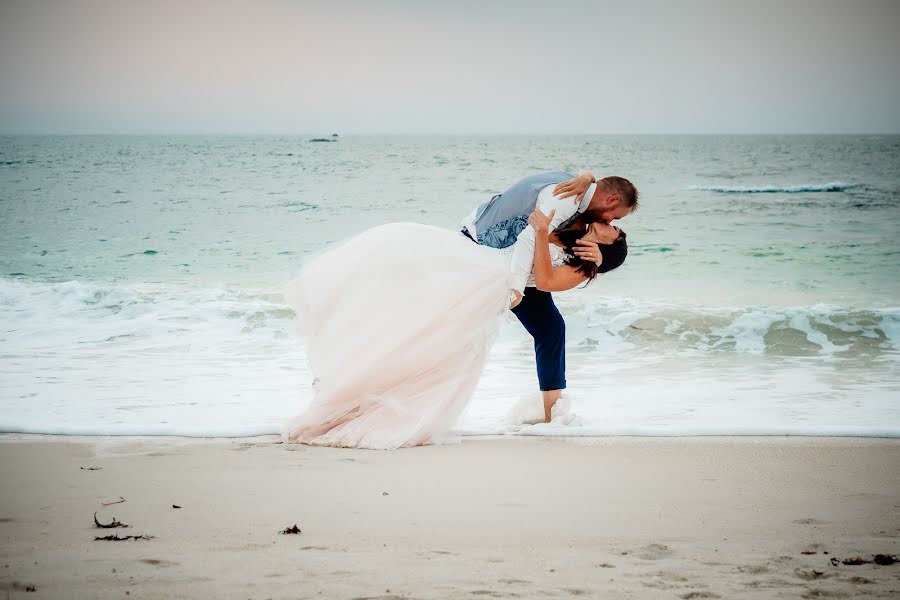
<point x="503" y="220"/>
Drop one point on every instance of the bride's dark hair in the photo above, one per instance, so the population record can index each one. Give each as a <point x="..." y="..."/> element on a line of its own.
<point x="613" y="254"/>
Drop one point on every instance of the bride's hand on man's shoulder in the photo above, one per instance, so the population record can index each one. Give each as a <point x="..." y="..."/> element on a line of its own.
<point x="539" y="221"/>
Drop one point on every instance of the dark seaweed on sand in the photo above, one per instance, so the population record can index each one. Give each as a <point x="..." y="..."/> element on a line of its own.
<point x="114" y="523"/>
<point x="878" y="559"/>
<point x="116" y="538"/>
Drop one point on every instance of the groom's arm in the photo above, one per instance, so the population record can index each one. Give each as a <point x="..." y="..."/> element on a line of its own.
<point x="523" y="251"/>
<point x="575" y="186"/>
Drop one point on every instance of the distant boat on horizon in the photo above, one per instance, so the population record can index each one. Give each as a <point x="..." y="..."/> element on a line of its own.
<point x="331" y="139"/>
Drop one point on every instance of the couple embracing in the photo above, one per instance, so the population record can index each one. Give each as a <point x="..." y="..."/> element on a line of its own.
<point x="399" y="320"/>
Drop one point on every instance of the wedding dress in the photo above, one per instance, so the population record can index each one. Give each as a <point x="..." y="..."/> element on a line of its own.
<point x="398" y="322"/>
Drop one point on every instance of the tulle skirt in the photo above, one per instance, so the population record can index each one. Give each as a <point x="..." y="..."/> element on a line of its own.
<point x="398" y="322"/>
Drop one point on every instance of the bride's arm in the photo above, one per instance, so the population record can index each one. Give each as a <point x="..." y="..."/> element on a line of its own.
<point x="546" y="278"/>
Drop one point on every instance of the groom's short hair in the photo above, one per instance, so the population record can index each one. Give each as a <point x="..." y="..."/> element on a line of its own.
<point x="628" y="194"/>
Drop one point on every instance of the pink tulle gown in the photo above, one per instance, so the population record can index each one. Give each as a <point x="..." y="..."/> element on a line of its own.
<point x="398" y="322"/>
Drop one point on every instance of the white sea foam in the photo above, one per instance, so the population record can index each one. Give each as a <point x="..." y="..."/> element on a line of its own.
<point x="559" y="430"/>
<point x="822" y="329"/>
<point x="141" y="429"/>
<point x="831" y="186"/>
<point x="116" y="359"/>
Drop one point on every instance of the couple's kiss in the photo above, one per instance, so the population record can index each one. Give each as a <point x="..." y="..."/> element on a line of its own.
<point x="399" y="319"/>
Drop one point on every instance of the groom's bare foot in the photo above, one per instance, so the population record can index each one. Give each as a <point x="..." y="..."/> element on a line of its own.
<point x="550" y="398"/>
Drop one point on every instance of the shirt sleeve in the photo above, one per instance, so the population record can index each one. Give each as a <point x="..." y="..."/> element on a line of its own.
<point x="522" y="260"/>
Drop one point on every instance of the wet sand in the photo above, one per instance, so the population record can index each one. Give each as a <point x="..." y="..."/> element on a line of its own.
<point x="513" y="517"/>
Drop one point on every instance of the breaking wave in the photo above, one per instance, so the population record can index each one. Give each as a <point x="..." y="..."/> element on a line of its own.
<point x="833" y="186"/>
<point x="84" y="358"/>
<point x="107" y="316"/>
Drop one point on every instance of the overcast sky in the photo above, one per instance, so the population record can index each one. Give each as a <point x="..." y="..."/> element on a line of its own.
<point x="454" y="66"/>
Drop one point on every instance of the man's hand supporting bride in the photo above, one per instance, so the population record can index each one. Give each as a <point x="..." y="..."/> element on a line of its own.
<point x="576" y="186"/>
<point x="565" y="277"/>
<point x="543" y="267"/>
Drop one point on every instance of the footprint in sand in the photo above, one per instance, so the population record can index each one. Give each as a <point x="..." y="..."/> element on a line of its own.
<point x="817" y="593"/>
<point x="772" y="582"/>
<point x="430" y="553"/>
<point x="667" y="580"/>
<point x="654" y="552"/>
<point x="158" y="562"/>
<point x="810" y="574"/>
<point x="753" y="569"/>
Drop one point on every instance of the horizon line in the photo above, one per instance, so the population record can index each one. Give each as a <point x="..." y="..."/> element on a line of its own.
<point x="435" y="133"/>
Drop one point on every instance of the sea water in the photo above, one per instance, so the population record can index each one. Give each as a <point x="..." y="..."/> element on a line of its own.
<point x="141" y="279"/>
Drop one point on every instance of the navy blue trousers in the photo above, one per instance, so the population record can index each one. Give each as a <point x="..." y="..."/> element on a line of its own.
<point x="542" y="320"/>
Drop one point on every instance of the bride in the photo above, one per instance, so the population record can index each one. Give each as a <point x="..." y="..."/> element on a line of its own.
<point x="399" y="320"/>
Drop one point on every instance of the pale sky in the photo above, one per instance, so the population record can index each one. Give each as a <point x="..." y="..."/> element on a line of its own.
<point x="455" y="66"/>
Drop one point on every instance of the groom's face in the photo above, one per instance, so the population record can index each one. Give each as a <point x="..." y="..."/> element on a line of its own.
<point x="612" y="209"/>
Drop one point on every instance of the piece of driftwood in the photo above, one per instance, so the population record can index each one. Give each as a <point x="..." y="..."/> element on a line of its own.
<point x="878" y="559"/>
<point x="91" y="468"/>
<point x="116" y="538"/>
<point x="114" y="523"/>
<point x="293" y="529"/>
<point x="119" y="501"/>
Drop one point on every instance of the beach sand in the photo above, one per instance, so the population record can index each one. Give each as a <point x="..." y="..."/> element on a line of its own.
<point x="521" y="517"/>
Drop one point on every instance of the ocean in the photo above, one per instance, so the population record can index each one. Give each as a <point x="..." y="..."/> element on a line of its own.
<point x="141" y="279"/>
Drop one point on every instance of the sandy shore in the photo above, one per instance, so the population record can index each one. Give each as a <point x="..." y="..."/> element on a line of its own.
<point x="531" y="518"/>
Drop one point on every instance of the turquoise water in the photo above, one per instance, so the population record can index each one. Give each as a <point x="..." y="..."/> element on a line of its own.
<point x="141" y="275"/>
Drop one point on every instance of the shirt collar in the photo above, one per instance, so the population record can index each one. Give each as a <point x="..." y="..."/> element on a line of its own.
<point x="586" y="199"/>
